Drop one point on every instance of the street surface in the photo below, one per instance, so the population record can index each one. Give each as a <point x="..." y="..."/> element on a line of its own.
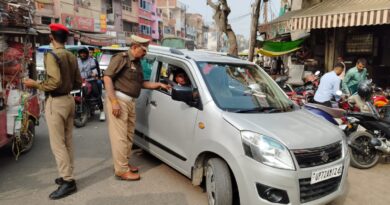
<point x="31" y="179"/>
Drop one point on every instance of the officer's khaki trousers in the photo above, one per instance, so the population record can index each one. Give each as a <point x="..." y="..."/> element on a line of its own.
<point x="121" y="132"/>
<point x="59" y="113"/>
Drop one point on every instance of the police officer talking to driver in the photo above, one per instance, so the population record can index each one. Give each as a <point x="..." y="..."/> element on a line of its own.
<point x="123" y="81"/>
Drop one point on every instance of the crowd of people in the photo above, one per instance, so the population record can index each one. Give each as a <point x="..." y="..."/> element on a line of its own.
<point x="352" y="84"/>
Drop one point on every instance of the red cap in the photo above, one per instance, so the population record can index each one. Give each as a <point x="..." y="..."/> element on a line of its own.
<point x="58" y="27"/>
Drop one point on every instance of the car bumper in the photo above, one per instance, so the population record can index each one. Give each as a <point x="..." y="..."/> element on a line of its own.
<point x="285" y="180"/>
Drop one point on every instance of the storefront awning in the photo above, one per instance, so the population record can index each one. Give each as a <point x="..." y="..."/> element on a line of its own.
<point x="345" y="13"/>
<point x="273" y="49"/>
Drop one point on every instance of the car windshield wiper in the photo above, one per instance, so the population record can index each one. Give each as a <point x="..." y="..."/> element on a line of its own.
<point x="259" y="109"/>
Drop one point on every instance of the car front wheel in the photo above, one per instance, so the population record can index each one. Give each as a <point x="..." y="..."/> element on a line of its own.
<point x="218" y="182"/>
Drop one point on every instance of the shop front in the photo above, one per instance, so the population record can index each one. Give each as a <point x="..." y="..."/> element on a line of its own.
<point x="349" y="29"/>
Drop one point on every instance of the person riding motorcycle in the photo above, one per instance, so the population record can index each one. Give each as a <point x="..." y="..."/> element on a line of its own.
<point x="363" y="95"/>
<point x="89" y="73"/>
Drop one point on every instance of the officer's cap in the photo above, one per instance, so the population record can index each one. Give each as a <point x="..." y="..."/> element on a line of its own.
<point x="58" y="27"/>
<point x="139" y="40"/>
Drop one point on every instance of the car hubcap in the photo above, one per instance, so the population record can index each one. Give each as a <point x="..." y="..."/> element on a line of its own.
<point x="210" y="185"/>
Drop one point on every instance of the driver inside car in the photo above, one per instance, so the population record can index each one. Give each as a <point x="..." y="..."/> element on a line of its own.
<point x="181" y="78"/>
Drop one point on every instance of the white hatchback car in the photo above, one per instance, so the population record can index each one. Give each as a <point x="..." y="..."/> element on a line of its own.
<point x="232" y="127"/>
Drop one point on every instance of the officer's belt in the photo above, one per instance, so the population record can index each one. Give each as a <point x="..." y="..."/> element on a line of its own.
<point x="123" y="96"/>
<point x="53" y="95"/>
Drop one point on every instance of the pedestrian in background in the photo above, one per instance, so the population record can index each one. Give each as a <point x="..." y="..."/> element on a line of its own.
<point x="279" y="66"/>
<point x="354" y="76"/>
<point x="329" y="85"/>
<point x="62" y="76"/>
<point x="123" y="81"/>
<point x="340" y="59"/>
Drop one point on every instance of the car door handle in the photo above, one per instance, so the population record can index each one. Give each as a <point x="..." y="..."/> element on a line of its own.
<point x="152" y="102"/>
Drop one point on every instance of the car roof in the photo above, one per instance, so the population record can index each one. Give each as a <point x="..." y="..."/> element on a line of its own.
<point x="198" y="56"/>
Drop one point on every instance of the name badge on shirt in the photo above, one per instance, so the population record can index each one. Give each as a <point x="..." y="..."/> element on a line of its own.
<point x="132" y="67"/>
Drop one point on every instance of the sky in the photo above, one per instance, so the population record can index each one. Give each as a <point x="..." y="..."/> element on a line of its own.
<point x="239" y="17"/>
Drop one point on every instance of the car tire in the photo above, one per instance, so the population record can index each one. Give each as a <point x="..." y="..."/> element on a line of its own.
<point x="218" y="182"/>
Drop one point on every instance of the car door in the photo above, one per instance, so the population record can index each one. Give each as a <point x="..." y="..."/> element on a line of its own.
<point x="170" y="123"/>
<point x="149" y="65"/>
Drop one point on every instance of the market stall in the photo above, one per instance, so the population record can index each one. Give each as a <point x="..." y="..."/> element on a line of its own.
<point x="19" y="106"/>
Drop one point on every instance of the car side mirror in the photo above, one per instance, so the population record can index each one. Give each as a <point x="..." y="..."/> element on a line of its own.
<point x="183" y="94"/>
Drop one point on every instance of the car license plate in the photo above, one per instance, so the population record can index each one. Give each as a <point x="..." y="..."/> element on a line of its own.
<point x="324" y="174"/>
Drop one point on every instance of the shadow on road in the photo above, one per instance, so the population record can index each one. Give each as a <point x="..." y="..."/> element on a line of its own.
<point x="143" y="199"/>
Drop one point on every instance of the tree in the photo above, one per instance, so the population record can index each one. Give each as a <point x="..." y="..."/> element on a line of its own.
<point x="255" y="22"/>
<point x="220" y="17"/>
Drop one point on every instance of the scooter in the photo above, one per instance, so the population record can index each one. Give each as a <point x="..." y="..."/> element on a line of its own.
<point x="366" y="147"/>
<point x="86" y="103"/>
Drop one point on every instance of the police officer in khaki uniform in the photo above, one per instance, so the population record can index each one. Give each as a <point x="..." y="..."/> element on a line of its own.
<point x="123" y="81"/>
<point x="62" y="76"/>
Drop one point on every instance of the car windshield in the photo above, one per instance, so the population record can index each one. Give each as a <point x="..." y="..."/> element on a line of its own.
<point x="243" y="88"/>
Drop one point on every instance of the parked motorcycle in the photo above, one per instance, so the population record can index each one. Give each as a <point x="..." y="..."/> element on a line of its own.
<point x="366" y="147"/>
<point x="288" y="89"/>
<point x="87" y="102"/>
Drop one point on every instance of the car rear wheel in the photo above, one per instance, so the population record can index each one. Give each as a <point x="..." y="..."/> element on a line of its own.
<point x="218" y="182"/>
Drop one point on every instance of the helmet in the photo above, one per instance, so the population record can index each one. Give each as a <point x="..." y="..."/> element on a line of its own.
<point x="83" y="50"/>
<point x="364" y="90"/>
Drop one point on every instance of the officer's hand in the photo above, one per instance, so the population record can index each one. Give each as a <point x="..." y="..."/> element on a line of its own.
<point x="29" y="83"/>
<point x="165" y="86"/>
<point x="116" y="108"/>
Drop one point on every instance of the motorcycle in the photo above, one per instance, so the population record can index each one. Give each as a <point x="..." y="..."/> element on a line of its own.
<point x="309" y="88"/>
<point x="381" y="102"/>
<point x="86" y="103"/>
<point x="288" y="89"/>
<point x="366" y="147"/>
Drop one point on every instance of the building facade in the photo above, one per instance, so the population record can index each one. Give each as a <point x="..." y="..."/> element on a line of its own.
<point x="173" y="17"/>
<point x="130" y="18"/>
<point x="86" y="19"/>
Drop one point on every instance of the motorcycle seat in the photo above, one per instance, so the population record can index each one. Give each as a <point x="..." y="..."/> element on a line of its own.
<point x="334" y="112"/>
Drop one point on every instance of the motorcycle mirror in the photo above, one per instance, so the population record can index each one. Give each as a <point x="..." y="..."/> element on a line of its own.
<point x="317" y="73"/>
<point x="339" y="93"/>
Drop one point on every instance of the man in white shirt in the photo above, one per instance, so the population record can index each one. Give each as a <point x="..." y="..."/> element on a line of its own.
<point x="329" y="85"/>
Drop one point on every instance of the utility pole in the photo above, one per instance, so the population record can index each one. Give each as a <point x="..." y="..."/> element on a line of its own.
<point x="254" y="25"/>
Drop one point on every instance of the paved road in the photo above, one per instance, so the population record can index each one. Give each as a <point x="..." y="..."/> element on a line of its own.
<point x="30" y="179"/>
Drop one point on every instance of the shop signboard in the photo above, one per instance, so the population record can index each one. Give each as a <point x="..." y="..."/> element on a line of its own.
<point x="103" y="23"/>
<point x="77" y="22"/>
<point x="85" y="23"/>
<point x="68" y="20"/>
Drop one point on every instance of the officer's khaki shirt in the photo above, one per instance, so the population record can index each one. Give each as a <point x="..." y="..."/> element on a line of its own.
<point x="126" y="73"/>
<point x="60" y="80"/>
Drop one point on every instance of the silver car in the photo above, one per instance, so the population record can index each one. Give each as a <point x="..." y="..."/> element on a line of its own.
<point x="234" y="129"/>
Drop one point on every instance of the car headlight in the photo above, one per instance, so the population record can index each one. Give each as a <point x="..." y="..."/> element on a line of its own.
<point x="267" y="150"/>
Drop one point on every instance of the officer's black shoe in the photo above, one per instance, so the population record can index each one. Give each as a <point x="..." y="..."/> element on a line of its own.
<point x="65" y="189"/>
<point x="59" y="181"/>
